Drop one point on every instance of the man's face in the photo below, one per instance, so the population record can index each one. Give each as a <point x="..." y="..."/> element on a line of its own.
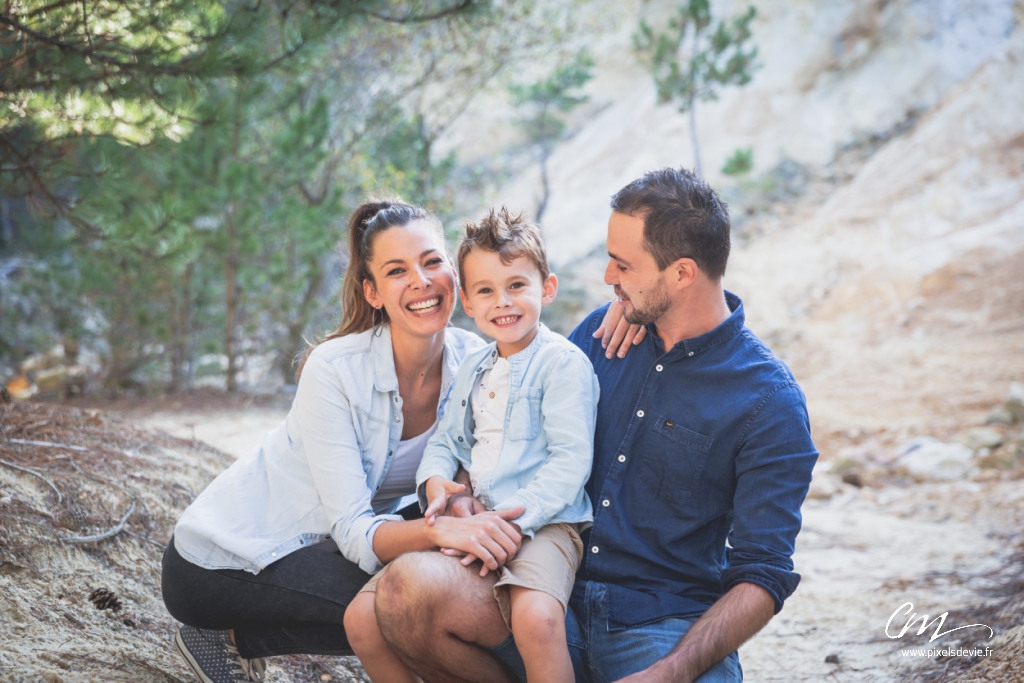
<point x="633" y="272"/>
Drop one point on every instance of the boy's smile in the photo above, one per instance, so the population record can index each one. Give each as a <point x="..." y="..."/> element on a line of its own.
<point x="505" y="298"/>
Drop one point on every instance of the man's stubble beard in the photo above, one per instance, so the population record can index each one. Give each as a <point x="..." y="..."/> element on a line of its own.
<point x="656" y="303"/>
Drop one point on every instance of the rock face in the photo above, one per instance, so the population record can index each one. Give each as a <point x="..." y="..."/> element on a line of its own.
<point x="833" y="71"/>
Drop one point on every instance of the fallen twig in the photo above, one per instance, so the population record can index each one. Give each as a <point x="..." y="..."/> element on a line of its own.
<point x="49" y="444"/>
<point x="106" y="534"/>
<point x="158" y="544"/>
<point x="35" y="474"/>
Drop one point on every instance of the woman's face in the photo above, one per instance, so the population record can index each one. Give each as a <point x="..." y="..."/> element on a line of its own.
<point x="413" y="279"/>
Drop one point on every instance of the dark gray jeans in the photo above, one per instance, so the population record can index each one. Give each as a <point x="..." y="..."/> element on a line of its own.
<point x="294" y="606"/>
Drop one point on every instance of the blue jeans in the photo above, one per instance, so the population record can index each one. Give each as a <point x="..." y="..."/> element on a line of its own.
<point x="603" y="656"/>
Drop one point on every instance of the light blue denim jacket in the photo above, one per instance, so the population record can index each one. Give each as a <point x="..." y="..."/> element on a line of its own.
<point x="315" y="475"/>
<point x="548" y="441"/>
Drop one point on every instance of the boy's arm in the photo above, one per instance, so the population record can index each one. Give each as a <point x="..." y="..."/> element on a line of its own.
<point x="568" y="412"/>
<point x="441" y="456"/>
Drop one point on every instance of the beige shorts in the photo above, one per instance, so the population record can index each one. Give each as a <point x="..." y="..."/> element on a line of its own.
<point x="547" y="563"/>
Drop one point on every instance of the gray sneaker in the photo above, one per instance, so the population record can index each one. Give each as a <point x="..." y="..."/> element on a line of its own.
<point x="214" y="658"/>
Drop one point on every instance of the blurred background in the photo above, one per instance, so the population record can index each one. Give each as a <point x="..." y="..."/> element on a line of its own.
<point x="175" y="179"/>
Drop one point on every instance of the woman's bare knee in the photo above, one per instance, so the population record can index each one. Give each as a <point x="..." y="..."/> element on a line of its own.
<point x="361" y="625"/>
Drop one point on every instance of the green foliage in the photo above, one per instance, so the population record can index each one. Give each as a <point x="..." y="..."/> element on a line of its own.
<point x="740" y="163"/>
<point x="205" y="219"/>
<point x="545" y="104"/>
<point x="689" y="63"/>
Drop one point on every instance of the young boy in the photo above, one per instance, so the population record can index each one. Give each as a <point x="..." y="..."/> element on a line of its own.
<point x="521" y="422"/>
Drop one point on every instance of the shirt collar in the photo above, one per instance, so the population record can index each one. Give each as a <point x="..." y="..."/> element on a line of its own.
<point x="522" y="356"/>
<point x="382" y="353"/>
<point x="728" y="329"/>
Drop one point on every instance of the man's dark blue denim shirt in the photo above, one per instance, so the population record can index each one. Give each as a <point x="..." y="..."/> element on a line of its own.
<point x="706" y="443"/>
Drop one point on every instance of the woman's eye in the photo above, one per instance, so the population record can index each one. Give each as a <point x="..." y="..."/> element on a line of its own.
<point x="435" y="261"/>
<point x="395" y="271"/>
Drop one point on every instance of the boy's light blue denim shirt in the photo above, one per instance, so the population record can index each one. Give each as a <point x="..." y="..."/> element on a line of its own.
<point x="316" y="474"/>
<point x="548" y="441"/>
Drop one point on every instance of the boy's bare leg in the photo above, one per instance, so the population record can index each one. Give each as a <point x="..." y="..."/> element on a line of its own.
<point x="439" y="616"/>
<point x="380" y="661"/>
<point x="538" y="624"/>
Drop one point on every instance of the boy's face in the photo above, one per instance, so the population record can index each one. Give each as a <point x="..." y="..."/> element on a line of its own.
<point x="505" y="298"/>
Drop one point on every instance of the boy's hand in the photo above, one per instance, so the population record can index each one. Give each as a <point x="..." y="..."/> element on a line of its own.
<point x="616" y="334"/>
<point x="438" y="489"/>
<point x="463" y="505"/>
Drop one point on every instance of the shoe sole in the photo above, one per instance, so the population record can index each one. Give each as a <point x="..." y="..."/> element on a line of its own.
<point x="179" y="645"/>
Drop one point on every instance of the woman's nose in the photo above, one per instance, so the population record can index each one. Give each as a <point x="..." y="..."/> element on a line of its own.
<point x="418" y="279"/>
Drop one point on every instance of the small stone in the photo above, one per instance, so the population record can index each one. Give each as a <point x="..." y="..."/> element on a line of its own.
<point x="853" y="477"/>
<point x="326" y="677"/>
<point x="1014" y="402"/>
<point x="1000" y="415"/>
<point x="977" y="438"/>
<point x="928" y="459"/>
<point x="824" y="486"/>
<point x="832" y="659"/>
<point x="6" y="500"/>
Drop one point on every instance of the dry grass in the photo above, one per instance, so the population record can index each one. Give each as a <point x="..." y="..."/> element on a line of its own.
<point x="97" y="469"/>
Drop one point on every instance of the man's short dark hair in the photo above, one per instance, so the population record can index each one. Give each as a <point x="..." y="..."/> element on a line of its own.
<point x="683" y="218"/>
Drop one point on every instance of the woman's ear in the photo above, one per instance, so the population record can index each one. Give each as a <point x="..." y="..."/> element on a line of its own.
<point x="370" y="292"/>
<point x="550" y="289"/>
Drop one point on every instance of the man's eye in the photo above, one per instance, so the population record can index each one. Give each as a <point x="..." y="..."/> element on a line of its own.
<point x="621" y="267"/>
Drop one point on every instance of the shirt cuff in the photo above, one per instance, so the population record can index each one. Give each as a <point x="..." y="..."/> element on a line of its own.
<point x="531" y="520"/>
<point x="780" y="583"/>
<point x="368" y="560"/>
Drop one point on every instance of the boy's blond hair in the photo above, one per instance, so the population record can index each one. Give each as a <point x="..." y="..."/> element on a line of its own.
<point x="509" y="236"/>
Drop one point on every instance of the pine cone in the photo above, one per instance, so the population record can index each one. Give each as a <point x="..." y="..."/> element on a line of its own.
<point x="72" y="518"/>
<point x="104" y="598"/>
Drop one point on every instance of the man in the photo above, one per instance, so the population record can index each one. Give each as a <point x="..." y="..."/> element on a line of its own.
<point x="702" y="459"/>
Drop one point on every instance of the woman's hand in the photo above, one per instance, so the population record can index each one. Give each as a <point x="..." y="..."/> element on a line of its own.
<point x="616" y="334"/>
<point x="489" y="536"/>
<point x="437" y="490"/>
<point x="464" y="505"/>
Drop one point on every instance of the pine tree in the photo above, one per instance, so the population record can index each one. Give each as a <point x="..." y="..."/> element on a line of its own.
<point x="690" y="63"/>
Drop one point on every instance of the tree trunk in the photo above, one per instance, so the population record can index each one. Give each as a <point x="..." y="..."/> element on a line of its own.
<point x="231" y="304"/>
<point x="181" y="319"/>
<point x="424" y="175"/>
<point x="698" y="169"/>
<point x="545" y="184"/>
<point x="294" y="341"/>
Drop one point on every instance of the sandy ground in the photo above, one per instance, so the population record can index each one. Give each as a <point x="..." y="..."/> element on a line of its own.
<point x="862" y="553"/>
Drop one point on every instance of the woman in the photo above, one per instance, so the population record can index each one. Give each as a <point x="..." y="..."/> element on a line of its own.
<point x="248" y="569"/>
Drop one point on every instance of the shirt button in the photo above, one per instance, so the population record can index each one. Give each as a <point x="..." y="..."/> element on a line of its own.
<point x="639" y="413"/>
<point x="690" y="353"/>
<point x="659" y="368"/>
<point x="463" y="403"/>
<point x="273" y="554"/>
<point x="398" y="419"/>
<point x="594" y="550"/>
<point x="622" y="458"/>
<point x="606" y="502"/>
<point x="389" y="453"/>
<point x="460" y="438"/>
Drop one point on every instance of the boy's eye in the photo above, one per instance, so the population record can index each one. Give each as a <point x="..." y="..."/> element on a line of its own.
<point x="484" y="290"/>
<point x="517" y="285"/>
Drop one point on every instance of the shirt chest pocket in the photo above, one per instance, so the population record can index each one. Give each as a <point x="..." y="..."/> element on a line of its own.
<point x="524" y="419"/>
<point x="674" y="458"/>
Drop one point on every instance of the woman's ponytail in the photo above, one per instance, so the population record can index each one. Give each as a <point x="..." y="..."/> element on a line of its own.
<point x="369" y="219"/>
